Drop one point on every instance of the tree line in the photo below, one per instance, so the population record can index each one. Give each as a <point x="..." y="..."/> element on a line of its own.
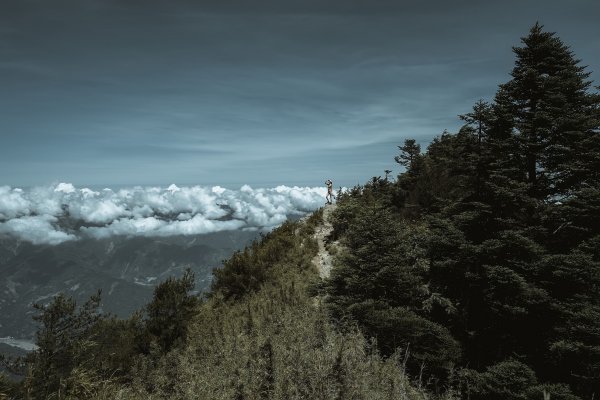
<point x="483" y="257"/>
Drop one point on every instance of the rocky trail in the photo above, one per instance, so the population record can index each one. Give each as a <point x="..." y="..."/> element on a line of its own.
<point x="323" y="260"/>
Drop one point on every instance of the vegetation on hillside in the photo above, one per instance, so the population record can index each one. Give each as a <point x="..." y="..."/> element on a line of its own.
<point x="484" y="256"/>
<point x="258" y="335"/>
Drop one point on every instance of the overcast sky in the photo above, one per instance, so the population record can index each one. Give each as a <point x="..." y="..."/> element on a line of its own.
<point x="98" y="92"/>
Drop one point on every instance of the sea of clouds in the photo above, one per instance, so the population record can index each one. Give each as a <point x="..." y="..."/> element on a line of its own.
<point x="62" y="212"/>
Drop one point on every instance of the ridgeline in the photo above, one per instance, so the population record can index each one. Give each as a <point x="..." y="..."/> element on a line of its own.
<point x="473" y="275"/>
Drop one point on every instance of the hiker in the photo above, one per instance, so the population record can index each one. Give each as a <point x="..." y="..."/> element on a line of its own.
<point x="329" y="196"/>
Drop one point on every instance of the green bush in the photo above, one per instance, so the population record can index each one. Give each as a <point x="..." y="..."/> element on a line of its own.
<point x="507" y="380"/>
<point x="556" y="391"/>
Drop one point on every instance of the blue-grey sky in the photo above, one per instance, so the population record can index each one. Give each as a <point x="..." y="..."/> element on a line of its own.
<point x="101" y="92"/>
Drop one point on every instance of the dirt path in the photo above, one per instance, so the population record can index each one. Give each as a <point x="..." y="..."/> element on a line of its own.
<point x="323" y="260"/>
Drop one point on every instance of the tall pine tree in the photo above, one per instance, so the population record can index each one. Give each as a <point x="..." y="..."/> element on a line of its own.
<point x="553" y="116"/>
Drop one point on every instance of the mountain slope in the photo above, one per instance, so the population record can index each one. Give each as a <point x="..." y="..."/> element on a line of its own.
<point x="265" y="340"/>
<point x="125" y="269"/>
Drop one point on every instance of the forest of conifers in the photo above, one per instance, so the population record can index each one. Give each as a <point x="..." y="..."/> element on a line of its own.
<point x="473" y="275"/>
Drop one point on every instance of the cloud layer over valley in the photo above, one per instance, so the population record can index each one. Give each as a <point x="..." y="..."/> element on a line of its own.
<point x="59" y="213"/>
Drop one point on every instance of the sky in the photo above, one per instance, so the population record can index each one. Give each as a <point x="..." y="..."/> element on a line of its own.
<point x="264" y="93"/>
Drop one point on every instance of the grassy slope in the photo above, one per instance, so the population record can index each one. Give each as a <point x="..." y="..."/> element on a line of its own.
<point x="270" y="342"/>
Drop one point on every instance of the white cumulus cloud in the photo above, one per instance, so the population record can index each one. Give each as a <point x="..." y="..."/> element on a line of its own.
<point x="36" y="229"/>
<point x="46" y="215"/>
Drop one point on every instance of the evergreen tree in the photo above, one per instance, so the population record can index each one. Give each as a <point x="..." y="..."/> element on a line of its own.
<point x="381" y="283"/>
<point x="409" y="155"/>
<point x="479" y="119"/>
<point x="554" y="117"/>
<point x="476" y="155"/>
<point x="170" y="311"/>
<point x="64" y="342"/>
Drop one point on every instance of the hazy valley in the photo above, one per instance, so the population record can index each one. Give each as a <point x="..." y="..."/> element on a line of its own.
<point x="125" y="269"/>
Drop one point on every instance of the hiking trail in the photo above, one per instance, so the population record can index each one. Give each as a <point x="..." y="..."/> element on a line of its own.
<point x="324" y="260"/>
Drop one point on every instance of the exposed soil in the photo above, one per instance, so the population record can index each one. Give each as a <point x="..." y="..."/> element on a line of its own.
<point x="323" y="260"/>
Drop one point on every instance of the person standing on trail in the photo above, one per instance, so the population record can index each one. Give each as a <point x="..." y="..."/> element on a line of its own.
<point x="329" y="196"/>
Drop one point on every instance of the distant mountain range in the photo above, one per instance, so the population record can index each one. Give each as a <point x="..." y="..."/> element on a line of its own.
<point x="125" y="269"/>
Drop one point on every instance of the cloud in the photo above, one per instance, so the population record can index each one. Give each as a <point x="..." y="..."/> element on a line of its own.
<point x="152" y="226"/>
<point x="55" y="214"/>
<point x="36" y="229"/>
<point x="12" y="203"/>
